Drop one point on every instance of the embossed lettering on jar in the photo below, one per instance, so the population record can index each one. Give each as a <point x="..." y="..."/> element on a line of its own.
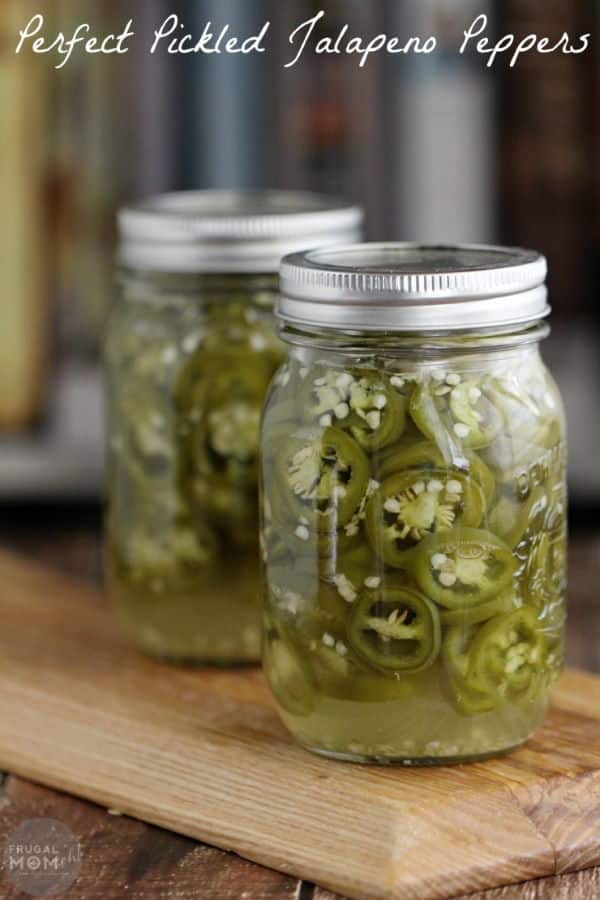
<point x="413" y="504"/>
<point x="191" y="348"/>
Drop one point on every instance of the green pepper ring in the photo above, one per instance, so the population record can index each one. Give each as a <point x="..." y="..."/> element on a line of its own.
<point x="467" y="698"/>
<point x="527" y="424"/>
<point x="444" y="542"/>
<point x="512" y="458"/>
<point x="471" y="515"/>
<point x="339" y="445"/>
<point x="424" y="454"/>
<point x="474" y="615"/>
<point x="430" y="420"/>
<point x="521" y="515"/>
<point x="393" y="415"/>
<point x="486" y="660"/>
<point x="469" y="701"/>
<point x="349" y="678"/>
<point x="460" y="407"/>
<point x="305" y="543"/>
<point x="392" y="426"/>
<point x="423" y="630"/>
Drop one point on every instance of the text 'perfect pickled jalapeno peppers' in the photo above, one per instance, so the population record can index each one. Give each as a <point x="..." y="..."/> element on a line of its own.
<point x="191" y="348"/>
<point x="413" y="504"/>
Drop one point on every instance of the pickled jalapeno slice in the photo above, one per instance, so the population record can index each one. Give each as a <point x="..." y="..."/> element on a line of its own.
<point x="528" y="418"/>
<point x="333" y="664"/>
<point x="316" y="602"/>
<point x="377" y="412"/>
<point x="233" y="431"/>
<point x="338" y="672"/>
<point x="357" y="568"/>
<point x="395" y="630"/>
<point x="153" y="557"/>
<point x="464" y="567"/>
<point x="424" y="454"/>
<point x="411" y="505"/>
<point x="471" y="408"/>
<point x="219" y="398"/>
<point x="325" y="474"/>
<point x="526" y="461"/>
<point x="473" y="615"/>
<point x="511" y="517"/>
<point x="468" y="699"/>
<point x="507" y="654"/>
<point x="362" y="403"/>
<point x="499" y="662"/>
<point x="449" y="403"/>
<point x="149" y="451"/>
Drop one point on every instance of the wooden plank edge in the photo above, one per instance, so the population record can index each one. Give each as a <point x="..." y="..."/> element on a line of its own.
<point x="516" y="868"/>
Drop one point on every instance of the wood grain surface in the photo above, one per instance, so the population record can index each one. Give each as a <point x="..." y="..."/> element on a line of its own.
<point x="202" y="753"/>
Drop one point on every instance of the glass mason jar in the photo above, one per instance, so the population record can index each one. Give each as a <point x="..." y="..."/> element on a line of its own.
<point x="191" y="348"/>
<point x="413" y="504"/>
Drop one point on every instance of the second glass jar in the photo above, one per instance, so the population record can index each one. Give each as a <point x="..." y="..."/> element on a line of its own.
<point x="191" y="348"/>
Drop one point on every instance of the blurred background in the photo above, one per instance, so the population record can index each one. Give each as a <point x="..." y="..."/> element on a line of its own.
<point x="437" y="148"/>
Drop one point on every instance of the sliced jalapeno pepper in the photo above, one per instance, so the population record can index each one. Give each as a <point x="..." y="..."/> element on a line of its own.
<point x="458" y="407"/>
<point x="526" y="463"/>
<point x="369" y="686"/>
<point x="218" y="402"/>
<point x="409" y="506"/>
<point x="511" y="518"/>
<point x="300" y="597"/>
<point x="212" y="378"/>
<point x="149" y="432"/>
<point x="500" y="662"/>
<point x="315" y="636"/>
<point x="532" y="415"/>
<point x="330" y="664"/>
<point x="507" y="655"/>
<point x="325" y="474"/>
<point x="467" y="698"/>
<point x="473" y="615"/>
<point x="356" y="569"/>
<point x="177" y="555"/>
<point x="312" y="628"/>
<point x="464" y="567"/>
<point x="395" y="630"/>
<point x="424" y="454"/>
<point x="361" y="402"/>
<point x="299" y="534"/>
<point x="339" y="672"/>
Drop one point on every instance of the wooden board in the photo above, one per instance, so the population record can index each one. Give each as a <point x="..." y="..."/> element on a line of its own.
<point x="203" y="753"/>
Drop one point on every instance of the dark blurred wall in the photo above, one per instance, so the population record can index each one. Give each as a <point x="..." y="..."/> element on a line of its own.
<point x="547" y="124"/>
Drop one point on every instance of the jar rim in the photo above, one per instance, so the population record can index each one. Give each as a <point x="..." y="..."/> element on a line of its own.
<point x="231" y="231"/>
<point x="408" y="287"/>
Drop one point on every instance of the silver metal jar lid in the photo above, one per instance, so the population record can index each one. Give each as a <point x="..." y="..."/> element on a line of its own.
<point x="412" y="287"/>
<point x="231" y="231"/>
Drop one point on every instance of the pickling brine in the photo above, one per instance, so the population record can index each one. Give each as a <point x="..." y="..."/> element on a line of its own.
<point x="414" y="541"/>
